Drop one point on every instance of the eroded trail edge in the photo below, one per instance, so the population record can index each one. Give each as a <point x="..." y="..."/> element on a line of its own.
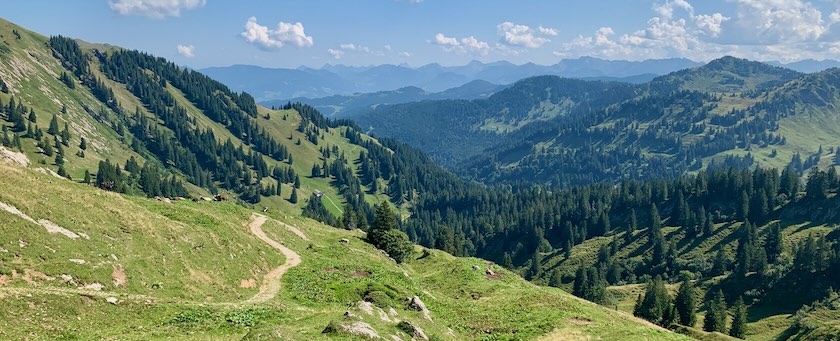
<point x="271" y="281"/>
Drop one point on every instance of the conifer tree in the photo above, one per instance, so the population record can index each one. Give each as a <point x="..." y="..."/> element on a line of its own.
<point x="719" y="265"/>
<point x="715" y="319"/>
<point x="739" y="321"/>
<point x="294" y="197"/>
<point x="535" y="270"/>
<point x="87" y="178"/>
<point x="556" y="279"/>
<point x="656" y="304"/>
<point x="65" y="135"/>
<point x="53" y="130"/>
<point x="686" y="304"/>
<point x="507" y="262"/>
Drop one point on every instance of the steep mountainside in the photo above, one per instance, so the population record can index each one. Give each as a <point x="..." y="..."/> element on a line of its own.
<point x="101" y="149"/>
<point x="167" y="131"/>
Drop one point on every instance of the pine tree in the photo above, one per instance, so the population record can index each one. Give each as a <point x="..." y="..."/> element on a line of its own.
<point x="535" y="270"/>
<point x="6" y="141"/>
<point x="53" y="130"/>
<point x="556" y="279"/>
<point x="744" y="206"/>
<point x="83" y="144"/>
<point x="773" y="244"/>
<point x="61" y="171"/>
<point x="32" y="117"/>
<point x="507" y="262"/>
<point x="656" y="304"/>
<point x="316" y="170"/>
<point x="348" y="218"/>
<point x="708" y="227"/>
<point x="294" y="197"/>
<point x="686" y="304"/>
<point x="655" y="220"/>
<point x="739" y="321"/>
<point x="720" y="263"/>
<point x="715" y="319"/>
<point x="579" y="287"/>
<point x="384" y="234"/>
<point x="65" y="135"/>
<point x="16" y="143"/>
<point x="87" y="178"/>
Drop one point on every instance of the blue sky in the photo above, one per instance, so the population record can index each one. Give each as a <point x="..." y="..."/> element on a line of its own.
<point x="285" y="33"/>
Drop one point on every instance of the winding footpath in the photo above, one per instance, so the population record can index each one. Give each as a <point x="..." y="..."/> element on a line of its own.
<point x="268" y="290"/>
<point x="271" y="282"/>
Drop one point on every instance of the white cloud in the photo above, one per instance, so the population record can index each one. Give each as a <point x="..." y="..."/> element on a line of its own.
<point x="710" y="24"/>
<point x="784" y="30"/>
<point x="666" y="9"/>
<point x="404" y="54"/>
<point x="286" y="33"/>
<point x="186" y="50"/>
<point x="519" y="35"/>
<point x="466" y="44"/>
<point x="354" y="47"/>
<point x="547" y="31"/>
<point x="834" y="17"/>
<point x="157" y="9"/>
<point x="441" y="39"/>
<point x="470" y="43"/>
<point x="336" y="54"/>
<point x="778" y="21"/>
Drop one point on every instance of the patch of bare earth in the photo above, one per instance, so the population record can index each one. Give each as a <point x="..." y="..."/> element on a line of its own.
<point x="360" y="274"/>
<point x="248" y="283"/>
<point x="562" y="334"/>
<point x="14" y="157"/>
<point x="118" y="276"/>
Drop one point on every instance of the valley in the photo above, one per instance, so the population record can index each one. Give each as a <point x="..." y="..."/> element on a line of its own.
<point x="145" y="198"/>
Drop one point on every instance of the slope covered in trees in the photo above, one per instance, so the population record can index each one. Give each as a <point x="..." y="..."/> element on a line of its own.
<point x="729" y="113"/>
<point x="454" y="130"/>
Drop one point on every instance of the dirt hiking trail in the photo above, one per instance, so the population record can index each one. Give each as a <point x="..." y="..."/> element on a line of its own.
<point x="271" y="282"/>
<point x="268" y="290"/>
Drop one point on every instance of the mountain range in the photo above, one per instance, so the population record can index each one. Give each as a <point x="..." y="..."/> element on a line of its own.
<point x="268" y="84"/>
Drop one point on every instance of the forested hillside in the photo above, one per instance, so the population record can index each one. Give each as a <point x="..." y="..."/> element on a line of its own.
<point x="133" y="123"/>
<point x="729" y="113"/>
<point x="452" y="131"/>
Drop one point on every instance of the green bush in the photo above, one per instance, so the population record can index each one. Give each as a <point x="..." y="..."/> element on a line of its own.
<point x="395" y="243"/>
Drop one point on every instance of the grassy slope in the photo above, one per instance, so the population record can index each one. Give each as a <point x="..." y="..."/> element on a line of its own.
<point x="198" y="253"/>
<point x="31" y="73"/>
